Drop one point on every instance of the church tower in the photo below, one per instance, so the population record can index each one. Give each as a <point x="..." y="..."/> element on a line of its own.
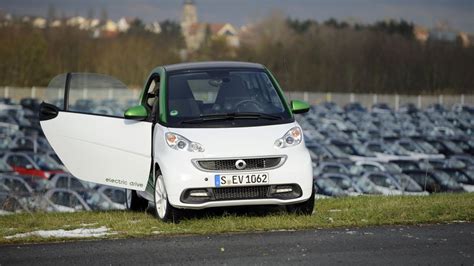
<point x="189" y="16"/>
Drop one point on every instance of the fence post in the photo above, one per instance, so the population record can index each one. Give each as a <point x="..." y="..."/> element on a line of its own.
<point x="440" y="99"/>
<point x="328" y="97"/>
<point x="352" y="97"/>
<point x="84" y="93"/>
<point x="33" y="92"/>
<point x="419" y="101"/>
<point x="374" y="100"/>
<point x="397" y="102"/>
<point x="305" y="96"/>
<point x="462" y="99"/>
<point x="7" y="92"/>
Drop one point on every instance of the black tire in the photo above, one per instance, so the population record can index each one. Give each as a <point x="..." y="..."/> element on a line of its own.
<point x="135" y="202"/>
<point x="303" y="208"/>
<point x="162" y="208"/>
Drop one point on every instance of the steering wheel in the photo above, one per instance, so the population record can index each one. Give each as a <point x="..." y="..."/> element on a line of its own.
<point x="257" y="105"/>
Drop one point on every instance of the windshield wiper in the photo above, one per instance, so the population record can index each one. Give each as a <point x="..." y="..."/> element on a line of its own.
<point x="230" y="116"/>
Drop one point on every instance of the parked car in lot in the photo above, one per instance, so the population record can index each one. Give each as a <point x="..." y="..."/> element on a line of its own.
<point x="327" y="187"/>
<point x="64" y="200"/>
<point x="16" y="185"/>
<point x="23" y="196"/>
<point x="343" y="182"/>
<point x="361" y="167"/>
<point x="465" y="177"/>
<point x="112" y="198"/>
<point x="227" y="124"/>
<point x="468" y="160"/>
<point x="395" y="184"/>
<point x="98" y="198"/>
<point x="330" y="167"/>
<point x="407" y="165"/>
<point x="434" y="181"/>
<point x="32" y="164"/>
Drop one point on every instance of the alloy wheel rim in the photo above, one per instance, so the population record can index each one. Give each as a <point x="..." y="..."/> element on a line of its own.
<point x="161" y="199"/>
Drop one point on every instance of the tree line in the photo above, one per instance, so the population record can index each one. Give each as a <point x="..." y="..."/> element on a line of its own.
<point x="305" y="55"/>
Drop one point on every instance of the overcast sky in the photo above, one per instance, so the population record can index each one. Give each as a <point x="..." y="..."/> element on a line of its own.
<point x="458" y="13"/>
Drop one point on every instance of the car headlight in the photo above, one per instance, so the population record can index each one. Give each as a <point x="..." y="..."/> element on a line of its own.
<point x="293" y="137"/>
<point x="181" y="143"/>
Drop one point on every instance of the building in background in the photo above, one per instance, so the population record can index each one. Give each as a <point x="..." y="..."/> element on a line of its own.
<point x="196" y="33"/>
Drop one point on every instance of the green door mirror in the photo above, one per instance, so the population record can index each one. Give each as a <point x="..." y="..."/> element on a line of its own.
<point x="299" y="107"/>
<point x="138" y="112"/>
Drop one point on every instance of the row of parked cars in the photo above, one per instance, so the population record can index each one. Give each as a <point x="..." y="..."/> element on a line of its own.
<point x="32" y="177"/>
<point x="410" y="151"/>
<point x="355" y="151"/>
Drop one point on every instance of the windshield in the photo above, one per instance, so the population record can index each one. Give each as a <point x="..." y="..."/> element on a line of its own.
<point x="346" y="148"/>
<point x="383" y="181"/>
<point x="224" y="98"/>
<point x="334" y="169"/>
<point x="329" y="186"/>
<point x="407" y="184"/>
<point x="366" y="185"/>
<point x="336" y="151"/>
<point x="343" y="183"/>
<point x="392" y="168"/>
<point x="363" y="150"/>
<point x="427" y="147"/>
<point x="446" y="180"/>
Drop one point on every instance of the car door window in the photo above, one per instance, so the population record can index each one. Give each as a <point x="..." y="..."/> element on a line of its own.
<point x="152" y="100"/>
<point x="91" y="93"/>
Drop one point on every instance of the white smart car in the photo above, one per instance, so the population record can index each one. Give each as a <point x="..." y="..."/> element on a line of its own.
<point x="208" y="134"/>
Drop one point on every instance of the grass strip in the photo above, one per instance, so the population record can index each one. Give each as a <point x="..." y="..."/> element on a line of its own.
<point x="330" y="213"/>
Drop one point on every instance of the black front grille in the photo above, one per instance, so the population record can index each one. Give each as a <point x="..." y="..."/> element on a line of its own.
<point x="236" y="193"/>
<point x="252" y="164"/>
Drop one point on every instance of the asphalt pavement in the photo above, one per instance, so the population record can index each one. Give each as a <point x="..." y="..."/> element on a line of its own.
<point x="451" y="244"/>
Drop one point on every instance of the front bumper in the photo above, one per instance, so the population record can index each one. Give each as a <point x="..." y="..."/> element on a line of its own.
<point x="181" y="176"/>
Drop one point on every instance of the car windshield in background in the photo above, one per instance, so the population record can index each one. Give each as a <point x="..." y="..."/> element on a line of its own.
<point x="224" y="98"/>
<point x="407" y="183"/>
<point x="445" y="179"/>
<point x="45" y="163"/>
<point x="392" y="168"/>
<point x="366" y="185"/>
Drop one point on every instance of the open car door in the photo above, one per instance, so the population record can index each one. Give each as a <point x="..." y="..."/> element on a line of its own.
<point x="87" y="130"/>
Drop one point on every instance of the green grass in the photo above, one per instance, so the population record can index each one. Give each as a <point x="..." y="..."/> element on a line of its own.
<point x="330" y="213"/>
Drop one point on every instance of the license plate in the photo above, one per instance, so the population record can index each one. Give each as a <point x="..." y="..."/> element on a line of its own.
<point x="227" y="180"/>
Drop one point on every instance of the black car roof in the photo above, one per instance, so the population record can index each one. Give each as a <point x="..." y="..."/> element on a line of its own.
<point x="212" y="64"/>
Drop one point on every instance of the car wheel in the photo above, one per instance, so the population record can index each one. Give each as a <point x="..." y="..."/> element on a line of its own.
<point x="303" y="208"/>
<point x="163" y="210"/>
<point x="135" y="202"/>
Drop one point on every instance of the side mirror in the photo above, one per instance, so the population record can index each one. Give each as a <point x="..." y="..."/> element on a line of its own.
<point x="299" y="107"/>
<point x="138" y="112"/>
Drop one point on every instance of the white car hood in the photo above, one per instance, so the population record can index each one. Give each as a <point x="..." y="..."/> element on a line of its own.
<point x="238" y="141"/>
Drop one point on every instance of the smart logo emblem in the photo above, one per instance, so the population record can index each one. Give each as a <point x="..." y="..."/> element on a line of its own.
<point x="240" y="164"/>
